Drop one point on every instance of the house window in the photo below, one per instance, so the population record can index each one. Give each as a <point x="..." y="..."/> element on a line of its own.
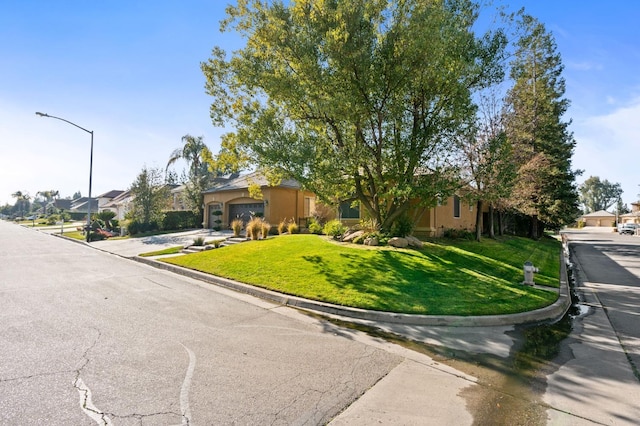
<point x="309" y="206"/>
<point x="347" y="211"/>
<point x="456" y="206"/>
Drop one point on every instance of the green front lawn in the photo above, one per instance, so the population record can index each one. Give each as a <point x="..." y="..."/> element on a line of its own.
<point x="444" y="278"/>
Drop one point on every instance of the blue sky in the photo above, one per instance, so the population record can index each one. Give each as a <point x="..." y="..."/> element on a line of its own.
<point x="130" y="71"/>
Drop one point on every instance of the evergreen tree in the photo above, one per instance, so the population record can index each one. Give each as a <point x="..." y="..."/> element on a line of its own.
<point x="545" y="187"/>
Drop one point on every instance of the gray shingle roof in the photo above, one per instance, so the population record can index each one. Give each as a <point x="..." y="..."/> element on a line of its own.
<point x="243" y="182"/>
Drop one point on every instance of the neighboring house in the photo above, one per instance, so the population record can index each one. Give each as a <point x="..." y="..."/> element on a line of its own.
<point x="61" y="204"/>
<point x="79" y="205"/>
<point x="177" y="198"/>
<point x="286" y="201"/>
<point x="106" y="198"/>
<point x="633" y="217"/>
<point x="599" y="218"/>
<point x="120" y="205"/>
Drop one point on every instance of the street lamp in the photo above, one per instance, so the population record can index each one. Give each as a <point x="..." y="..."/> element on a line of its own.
<point x="42" y="114"/>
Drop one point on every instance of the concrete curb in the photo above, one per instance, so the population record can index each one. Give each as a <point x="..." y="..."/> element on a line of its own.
<point x="551" y="313"/>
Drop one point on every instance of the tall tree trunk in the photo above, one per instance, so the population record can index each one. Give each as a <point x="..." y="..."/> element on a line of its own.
<point x="478" y="220"/>
<point x="500" y="224"/>
<point x="534" y="227"/>
<point x="491" y="228"/>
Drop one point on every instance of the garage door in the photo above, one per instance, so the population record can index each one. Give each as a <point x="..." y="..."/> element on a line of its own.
<point x="244" y="211"/>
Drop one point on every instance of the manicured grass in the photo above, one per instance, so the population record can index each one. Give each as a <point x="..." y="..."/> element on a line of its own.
<point x="444" y="278"/>
<point x="170" y="250"/>
<point x="77" y="235"/>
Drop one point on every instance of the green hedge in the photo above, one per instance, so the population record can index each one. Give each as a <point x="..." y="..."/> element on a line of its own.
<point x="181" y="220"/>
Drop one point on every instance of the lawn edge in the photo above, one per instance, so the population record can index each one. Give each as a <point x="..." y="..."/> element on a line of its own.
<point x="550" y="313"/>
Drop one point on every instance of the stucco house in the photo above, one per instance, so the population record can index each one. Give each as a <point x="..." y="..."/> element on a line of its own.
<point x="287" y="201"/>
<point x="633" y="217"/>
<point x="120" y="205"/>
<point x="599" y="218"/>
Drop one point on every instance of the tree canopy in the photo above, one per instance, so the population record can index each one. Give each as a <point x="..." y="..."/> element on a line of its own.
<point x="359" y="100"/>
<point x="596" y="194"/>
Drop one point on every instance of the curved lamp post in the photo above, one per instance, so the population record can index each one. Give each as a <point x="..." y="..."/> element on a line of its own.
<point x="42" y="114"/>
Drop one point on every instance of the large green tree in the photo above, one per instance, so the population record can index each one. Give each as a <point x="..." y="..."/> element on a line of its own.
<point x="150" y="197"/>
<point x="543" y="146"/>
<point x="596" y="194"/>
<point x="357" y="99"/>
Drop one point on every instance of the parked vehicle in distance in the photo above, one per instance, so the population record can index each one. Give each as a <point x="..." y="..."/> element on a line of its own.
<point x="627" y="228"/>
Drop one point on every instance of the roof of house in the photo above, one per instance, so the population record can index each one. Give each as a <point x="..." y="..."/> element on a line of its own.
<point x="255" y="178"/>
<point x="632" y="214"/>
<point x="599" y="213"/>
<point x="62" y="203"/>
<point x="119" y="199"/>
<point x="111" y="194"/>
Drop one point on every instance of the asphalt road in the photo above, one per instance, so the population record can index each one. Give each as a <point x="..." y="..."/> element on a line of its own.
<point x="597" y="380"/>
<point x="87" y="337"/>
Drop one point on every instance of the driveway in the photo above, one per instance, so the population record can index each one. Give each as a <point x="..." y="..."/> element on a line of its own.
<point x="134" y="246"/>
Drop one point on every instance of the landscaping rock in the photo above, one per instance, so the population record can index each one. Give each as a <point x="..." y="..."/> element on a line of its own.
<point x="350" y="237"/>
<point x="414" y="242"/>
<point x="371" y="241"/>
<point x="398" y="242"/>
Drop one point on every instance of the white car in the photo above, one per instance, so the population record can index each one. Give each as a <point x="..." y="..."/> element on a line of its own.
<point x="627" y="228"/>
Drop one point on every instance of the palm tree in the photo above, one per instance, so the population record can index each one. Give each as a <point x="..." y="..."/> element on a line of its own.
<point x="193" y="152"/>
<point x="22" y="198"/>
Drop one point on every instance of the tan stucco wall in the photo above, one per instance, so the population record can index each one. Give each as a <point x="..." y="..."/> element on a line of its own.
<point x="599" y="221"/>
<point x="279" y="204"/>
<point x="435" y="221"/>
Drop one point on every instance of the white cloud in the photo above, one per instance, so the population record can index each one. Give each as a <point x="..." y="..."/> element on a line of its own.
<point x="608" y="147"/>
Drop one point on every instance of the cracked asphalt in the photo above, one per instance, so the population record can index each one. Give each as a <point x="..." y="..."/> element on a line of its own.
<point x="87" y="337"/>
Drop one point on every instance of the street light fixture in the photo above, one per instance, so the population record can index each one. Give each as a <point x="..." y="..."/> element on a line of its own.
<point x="42" y="114"/>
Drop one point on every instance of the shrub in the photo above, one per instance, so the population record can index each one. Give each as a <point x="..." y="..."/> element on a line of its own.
<point x="51" y="220"/>
<point x="254" y="228"/>
<point x="265" y="229"/>
<point x="282" y="226"/>
<point x="137" y="227"/>
<point x="369" y="225"/>
<point x="293" y="228"/>
<point x="322" y="214"/>
<point x="402" y="226"/>
<point x="314" y="226"/>
<point x="186" y="219"/>
<point x="236" y="226"/>
<point x="198" y="241"/>
<point x="360" y="239"/>
<point x="96" y="236"/>
<point x="459" y="234"/>
<point x="334" y="228"/>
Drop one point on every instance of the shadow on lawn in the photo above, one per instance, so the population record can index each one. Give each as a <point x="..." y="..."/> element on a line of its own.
<point x="418" y="281"/>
